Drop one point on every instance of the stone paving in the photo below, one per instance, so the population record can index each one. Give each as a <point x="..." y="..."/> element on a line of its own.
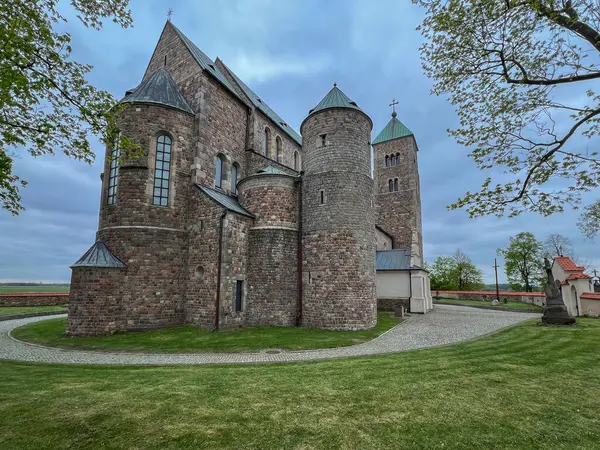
<point x="445" y="325"/>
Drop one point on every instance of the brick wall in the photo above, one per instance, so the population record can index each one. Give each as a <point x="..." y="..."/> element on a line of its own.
<point x="34" y="299"/>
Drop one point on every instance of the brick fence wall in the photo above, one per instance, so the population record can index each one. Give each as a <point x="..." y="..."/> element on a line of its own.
<point x="34" y="299"/>
<point x="532" y="298"/>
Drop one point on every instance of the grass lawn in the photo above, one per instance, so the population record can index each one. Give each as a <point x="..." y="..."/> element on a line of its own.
<point x="189" y="339"/>
<point x="525" y="387"/>
<point x="8" y="310"/>
<point x="502" y="305"/>
<point x="42" y="288"/>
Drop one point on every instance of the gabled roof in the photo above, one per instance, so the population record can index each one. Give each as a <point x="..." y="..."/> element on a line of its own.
<point x="578" y="276"/>
<point x="99" y="256"/>
<point x="203" y="60"/>
<point x="591" y="295"/>
<point x="159" y="88"/>
<point x="226" y="201"/>
<point x="568" y="264"/>
<point x="397" y="259"/>
<point x="335" y="98"/>
<point x="393" y="130"/>
<point x="264" y="108"/>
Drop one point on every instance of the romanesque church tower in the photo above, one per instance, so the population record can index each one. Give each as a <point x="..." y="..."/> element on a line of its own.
<point x="397" y="188"/>
<point x="338" y="221"/>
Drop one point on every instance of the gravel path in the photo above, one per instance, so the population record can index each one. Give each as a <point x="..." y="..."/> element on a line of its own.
<point x="445" y="325"/>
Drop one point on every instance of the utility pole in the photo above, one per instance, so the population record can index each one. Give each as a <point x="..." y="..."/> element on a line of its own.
<point x="497" y="287"/>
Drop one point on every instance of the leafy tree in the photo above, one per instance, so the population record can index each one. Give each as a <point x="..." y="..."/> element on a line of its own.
<point x="589" y="222"/>
<point x="523" y="77"/>
<point x="557" y="245"/>
<point x="46" y="103"/>
<point x="455" y="272"/>
<point x="523" y="262"/>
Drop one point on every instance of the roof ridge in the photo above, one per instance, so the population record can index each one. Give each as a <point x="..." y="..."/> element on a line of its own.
<point x="262" y="106"/>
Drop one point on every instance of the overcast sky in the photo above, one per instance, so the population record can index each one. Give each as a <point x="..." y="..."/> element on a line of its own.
<point x="290" y="53"/>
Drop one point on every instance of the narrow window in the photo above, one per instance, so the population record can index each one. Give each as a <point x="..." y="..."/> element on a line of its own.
<point x="322" y="197"/>
<point x="219" y="171"/>
<point x="395" y="184"/>
<point x="162" y="171"/>
<point x="113" y="173"/>
<point x="278" y="149"/>
<point x="394" y="161"/>
<point x="239" y="290"/>
<point x="165" y="60"/>
<point x="397" y="158"/>
<point x="387" y="161"/>
<point x="267" y="142"/>
<point x="323" y="140"/>
<point x="234" y="177"/>
<point x="390" y="186"/>
<point x="296" y="160"/>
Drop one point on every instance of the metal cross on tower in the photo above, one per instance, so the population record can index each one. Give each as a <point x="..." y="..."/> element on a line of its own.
<point x="169" y="14"/>
<point x="393" y="105"/>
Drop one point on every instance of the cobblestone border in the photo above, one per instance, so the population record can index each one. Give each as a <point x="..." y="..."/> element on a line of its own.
<point x="26" y="315"/>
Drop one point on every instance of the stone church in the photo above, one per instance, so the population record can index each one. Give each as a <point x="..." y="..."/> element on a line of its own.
<point x="232" y="218"/>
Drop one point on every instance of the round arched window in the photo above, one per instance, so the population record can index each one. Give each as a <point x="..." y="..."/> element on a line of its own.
<point x="200" y="273"/>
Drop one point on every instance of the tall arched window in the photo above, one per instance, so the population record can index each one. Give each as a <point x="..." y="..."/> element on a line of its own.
<point x="397" y="158"/>
<point x="113" y="173"/>
<point x="387" y="161"/>
<point x="296" y="161"/>
<point x="390" y="186"/>
<point x="278" y="149"/>
<point x="234" y="177"/>
<point x="267" y="143"/>
<point x="219" y="171"/>
<point x="395" y="184"/>
<point x="162" y="171"/>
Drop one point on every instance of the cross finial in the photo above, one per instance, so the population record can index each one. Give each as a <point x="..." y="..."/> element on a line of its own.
<point x="169" y="14"/>
<point x="393" y="105"/>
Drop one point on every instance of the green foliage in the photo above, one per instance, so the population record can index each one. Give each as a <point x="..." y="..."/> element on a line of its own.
<point x="455" y="272"/>
<point x="46" y="102"/>
<point x="523" y="262"/>
<point x="520" y="73"/>
<point x="589" y="222"/>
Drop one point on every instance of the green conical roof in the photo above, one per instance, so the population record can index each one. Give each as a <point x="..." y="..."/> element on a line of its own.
<point x="335" y="98"/>
<point x="393" y="130"/>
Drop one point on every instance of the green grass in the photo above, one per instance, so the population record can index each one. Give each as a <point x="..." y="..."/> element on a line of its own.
<point x="190" y="339"/>
<point x="41" y="288"/>
<point x="525" y="387"/>
<point x="502" y="305"/>
<point x="8" y="310"/>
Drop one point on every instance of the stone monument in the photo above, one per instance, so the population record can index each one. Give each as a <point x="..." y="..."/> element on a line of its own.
<point x="555" y="311"/>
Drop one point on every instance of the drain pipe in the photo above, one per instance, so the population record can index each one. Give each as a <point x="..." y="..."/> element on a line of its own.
<point x="299" y="307"/>
<point x="219" y="259"/>
<point x="409" y="287"/>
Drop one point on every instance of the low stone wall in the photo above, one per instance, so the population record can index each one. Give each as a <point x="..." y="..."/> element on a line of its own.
<point x="34" y="299"/>
<point x="531" y="298"/>
<point x="390" y="304"/>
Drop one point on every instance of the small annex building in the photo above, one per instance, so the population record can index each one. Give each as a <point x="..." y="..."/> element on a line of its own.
<point x="576" y="287"/>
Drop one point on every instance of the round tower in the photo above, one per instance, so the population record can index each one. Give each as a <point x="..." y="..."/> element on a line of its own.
<point x="338" y="222"/>
<point x="272" y="272"/>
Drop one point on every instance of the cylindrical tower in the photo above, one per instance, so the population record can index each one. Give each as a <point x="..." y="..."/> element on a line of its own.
<point x="272" y="295"/>
<point x="338" y="222"/>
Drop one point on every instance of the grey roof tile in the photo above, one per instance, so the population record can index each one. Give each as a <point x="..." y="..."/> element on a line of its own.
<point x="265" y="109"/>
<point x="226" y="201"/>
<point x="158" y="88"/>
<point x="397" y="259"/>
<point x="99" y="256"/>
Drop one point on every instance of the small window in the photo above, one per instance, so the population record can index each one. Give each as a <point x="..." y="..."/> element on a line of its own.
<point x="199" y="273"/>
<point x="397" y="158"/>
<point x="278" y="149"/>
<point x="239" y="293"/>
<point x="296" y="162"/>
<point x="323" y="140"/>
<point x="393" y="160"/>
<point x="219" y="171"/>
<point x="390" y="186"/>
<point x="387" y="161"/>
<point x="162" y="171"/>
<point x="322" y="197"/>
<point x="234" y="177"/>
<point x="395" y="184"/>
<point x="267" y="143"/>
<point x="113" y="172"/>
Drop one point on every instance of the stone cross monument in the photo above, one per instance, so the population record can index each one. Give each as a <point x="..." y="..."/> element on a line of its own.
<point x="555" y="311"/>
